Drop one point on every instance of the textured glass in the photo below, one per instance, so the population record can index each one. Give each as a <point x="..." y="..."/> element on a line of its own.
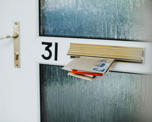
<point x="115" y="97"/>
<point x="117" y="19"/>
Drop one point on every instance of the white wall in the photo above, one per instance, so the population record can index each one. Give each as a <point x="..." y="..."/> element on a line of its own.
<point x="19" y="88"/>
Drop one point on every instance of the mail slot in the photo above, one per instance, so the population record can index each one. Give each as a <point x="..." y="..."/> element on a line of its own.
<point x="121" y="53"/>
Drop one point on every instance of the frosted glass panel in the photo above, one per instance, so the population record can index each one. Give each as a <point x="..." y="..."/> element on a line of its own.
<point x="117" y="19"/>
<point x="116" y="97"/>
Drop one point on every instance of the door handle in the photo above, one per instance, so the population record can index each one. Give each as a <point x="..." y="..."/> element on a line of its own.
<point x="16" y="38"/>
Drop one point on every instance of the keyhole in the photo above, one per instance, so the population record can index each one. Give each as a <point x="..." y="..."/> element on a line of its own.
<point x="17" y="56"/>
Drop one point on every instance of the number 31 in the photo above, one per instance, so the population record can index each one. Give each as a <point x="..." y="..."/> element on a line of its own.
<point x="48" y="49"/>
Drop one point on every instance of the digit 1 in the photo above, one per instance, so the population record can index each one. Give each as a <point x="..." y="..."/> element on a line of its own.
<point x="56" y="52"/>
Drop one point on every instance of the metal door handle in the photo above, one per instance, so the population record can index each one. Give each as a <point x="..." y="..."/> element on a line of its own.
<point x="16" y="38"/>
